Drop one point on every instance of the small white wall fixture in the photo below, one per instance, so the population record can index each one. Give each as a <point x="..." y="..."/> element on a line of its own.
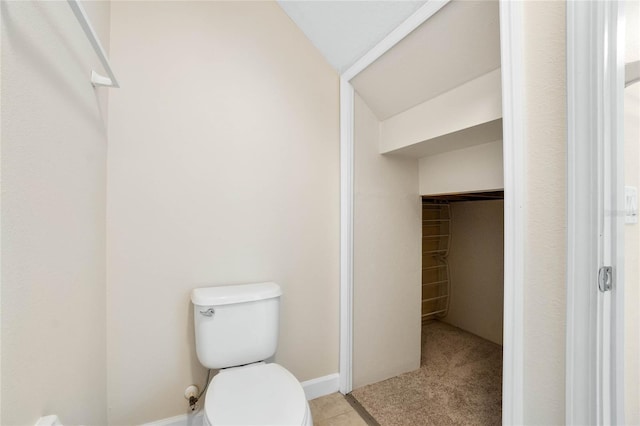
<point x="511" y="41"/>
<point x="595" y="90"/>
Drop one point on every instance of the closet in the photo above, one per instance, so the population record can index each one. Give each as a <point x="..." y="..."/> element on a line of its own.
<point x="466" y="253"/>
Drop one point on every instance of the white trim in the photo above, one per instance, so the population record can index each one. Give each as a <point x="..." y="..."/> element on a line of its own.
<point x="404" y="29"/>
<point x="321" y="386"/>
<point x="511" y="48"/>
<point x="181" y="420"/>
<point x="609" y="90"/>
<point x="615" y="83"/>
<point x="51" y="420"/>
<point x="595" y="90"/>
<point x="346" y="235"/>
<point x="582" y="216"/>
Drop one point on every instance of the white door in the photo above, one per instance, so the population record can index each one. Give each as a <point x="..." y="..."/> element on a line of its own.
<point x="611" y="276"/>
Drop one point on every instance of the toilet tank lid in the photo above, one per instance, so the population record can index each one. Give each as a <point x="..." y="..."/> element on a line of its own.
<point x="229" y="294"/>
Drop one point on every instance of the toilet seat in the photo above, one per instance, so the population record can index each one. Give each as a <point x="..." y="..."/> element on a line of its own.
<point x="256" y="394"/>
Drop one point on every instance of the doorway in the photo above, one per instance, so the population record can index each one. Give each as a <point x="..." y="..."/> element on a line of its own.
<point x="460" y="375"/>
<point x="513" y="179"/>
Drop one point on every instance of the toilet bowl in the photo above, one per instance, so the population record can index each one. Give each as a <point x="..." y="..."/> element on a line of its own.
<point x="257" y="394"/>
<point x="236" y="330"/>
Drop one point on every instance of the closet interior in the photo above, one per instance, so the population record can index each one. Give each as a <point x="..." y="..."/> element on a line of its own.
<point x="462" y="296"/>
<point x="437" y="227"/>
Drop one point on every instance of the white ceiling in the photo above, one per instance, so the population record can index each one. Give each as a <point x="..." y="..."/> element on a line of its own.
<point x="345" y="30"/>
<point x="458" y="44"/>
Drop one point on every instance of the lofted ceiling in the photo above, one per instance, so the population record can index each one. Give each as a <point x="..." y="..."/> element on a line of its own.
<point x="344" y="31"/>
<point x="459" y="43"/>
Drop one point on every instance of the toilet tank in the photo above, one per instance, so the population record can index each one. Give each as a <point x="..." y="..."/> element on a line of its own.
<point x="236" y="324"/>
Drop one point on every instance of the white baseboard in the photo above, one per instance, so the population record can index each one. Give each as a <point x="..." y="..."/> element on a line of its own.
<point x="51" y="420"/>
<point x="194" y="419"/>
<point x="314" y="388"/>
<point x="321" y="386"/>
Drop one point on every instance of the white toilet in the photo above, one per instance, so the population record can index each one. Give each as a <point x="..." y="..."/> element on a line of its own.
<point x="236" y="331"/>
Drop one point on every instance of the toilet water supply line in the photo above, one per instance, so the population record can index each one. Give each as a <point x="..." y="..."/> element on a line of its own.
<point x="193" y="400"/>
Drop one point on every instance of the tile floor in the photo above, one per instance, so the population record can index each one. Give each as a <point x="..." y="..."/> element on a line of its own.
<point x="334" y="410"/>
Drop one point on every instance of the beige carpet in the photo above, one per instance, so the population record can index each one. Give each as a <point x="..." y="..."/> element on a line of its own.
<point x="459" y="383"/>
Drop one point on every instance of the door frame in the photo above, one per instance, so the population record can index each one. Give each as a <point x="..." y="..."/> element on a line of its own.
<point x="511" y="45"/>
<point x="595" y="212"/>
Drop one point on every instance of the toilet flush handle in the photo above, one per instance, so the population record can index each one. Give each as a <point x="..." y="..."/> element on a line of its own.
<point x="208" y="313"/>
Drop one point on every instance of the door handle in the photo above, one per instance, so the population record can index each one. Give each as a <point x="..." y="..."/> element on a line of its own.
<point x="605" y="278"/>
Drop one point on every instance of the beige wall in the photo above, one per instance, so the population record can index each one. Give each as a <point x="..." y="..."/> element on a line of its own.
<point x="53" y="216"/>
<point x="478" y="168"/>
<point x="545" y="212"/>
<point x="632" y="232"/>
<point x="387" y="230"/>
<point x="476" y="265"/>
<point x="473" y="103"/>
<point x="223" y="168"/>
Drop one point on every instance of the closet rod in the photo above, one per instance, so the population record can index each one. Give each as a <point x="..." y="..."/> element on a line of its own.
<point x="96" y="79"/>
